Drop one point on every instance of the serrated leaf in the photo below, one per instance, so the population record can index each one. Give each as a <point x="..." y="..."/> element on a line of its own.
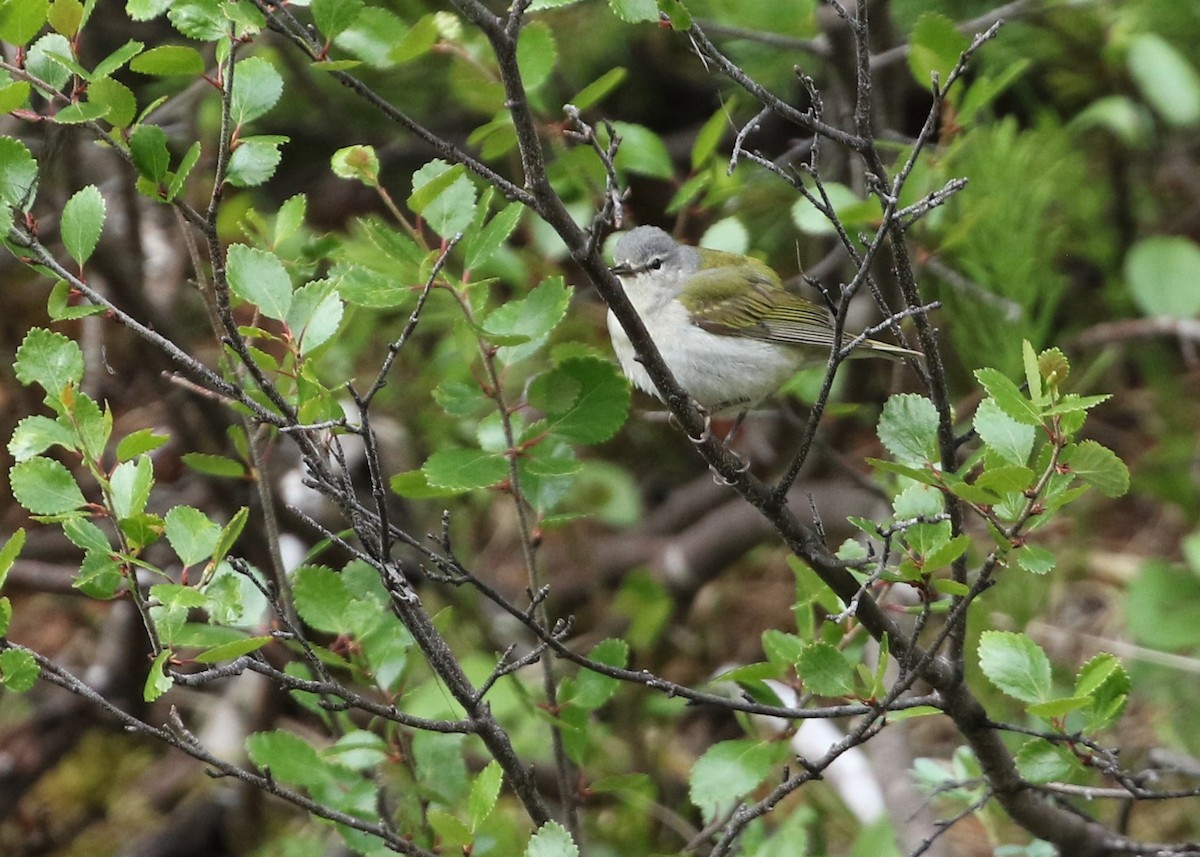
<point x="414" y="485"/>
<point x="1096" y="672"/>
<point x="727" y="772"/>
<point x="825" y="671"/>
<point x="289" y="758"/>
<point x="1009" y="439"/>
<point x="82" y="222"/>
<point x="484" y="792"/>
<point x="1009" y="397"/>
<point x="596" y="410"/>
<point x="20" y="670"/>
<point x="259" y="277"/>
<point x="231" y="650"/>
<point x="257" y="87"/>
<point x="632" y="11"/>
<point x="9" y="553"/>
<point x="1053" y="709"/>
<point x="357" y="163"/>
<point x="335" y="16"/>
<point x="926" y="477"/>
<point x="492" y="236"/>
<point x="1015" y="664"/>
<point x="229" y="535"/>
<point x="593" y="689"/>
<point x="45" y="487"/>
<point x="1039" y="761"/>
<point x="253" y="160"/>
<point x="444" y="197"/>
<point x="1006" y="479"/>
<point x="1098" y="466"/>
<point x="322" y="599"/>
<point x="213" y="465"/>
<point x="14" y="96"/>
<point x="129" y="486"/>
<point x="169" y="61"/>
<point x="465" y="469"/>
<point x="551" y="840"/>
<point x="21" y="20"/>
<point x="191" y="534"/>
<point x="139" y="442"/>
<point x="908" y="429"/>
<point x="148" y="148"/>
<point x="536" y="54"/>
<point x="946" y="553"/>
<point x="1034" y="559"/>
<point x="532" y="317"/>
<point x="34" y="435"/>
<point x="50" y="360"/>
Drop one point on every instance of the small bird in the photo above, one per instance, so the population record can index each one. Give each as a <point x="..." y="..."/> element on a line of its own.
<point x="725" y="325"/>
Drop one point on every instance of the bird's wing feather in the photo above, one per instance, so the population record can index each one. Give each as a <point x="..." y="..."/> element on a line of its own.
<point x="748" y="300"/>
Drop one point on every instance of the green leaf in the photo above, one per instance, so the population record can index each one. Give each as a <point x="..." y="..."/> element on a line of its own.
<point x="934" y="48"/>
<point x="34" y="435"/>
<point x="849" y="208"/>
<point x="536" y="55"/>
<point x="1010" y="440"/>
<point x="315" y="315"/>
<point x="908" y="429"/>
<point x="632" y="11"/>
<point x="45" y="487"/>
<point x="335" y="16"/>
<point x="483" y="246"/>
<point x="168" y="61"/>
<point x="414" y="485"/>
<point x="256" y="89"/>
<point x="65" y="17"/>
<point x="19" y="669"/>
<point x="532" y="317"/>
<point x="1098" y="670"/>
<point x="781" y="648"/>
<point x="14" y="96"/>
<point x="130" y="485"/>
<point x="9" y="553"/>
<point x="114" y="61"/>
<point x="946" y="553"/>
<point x="727" y="772"/>
<point x="186" y="163"/>
<point x="1166" y="78"/>
<point x="599" y="88"/>
<point x="1163" y="607"/>
<point x="417" y="42"/>
<point x="1057" y="708"/>
<point x="642" y="151"/>
<point x="231" y="650"/>
<point x="1040" y="761"/>
<point x="99" y="575"/>
<point x="1006" y="478"/>
<point x="289" y="218"/>
<point x="289" y="758"/>
<point x="592" y="689"/>
<point x="584" y="398"/>
<point x="1035" y="560"/>
<point x="144" y="10"/>
<point x="148" y="148"/>
<point x="1162" y="273"/>
<point x="192" y="534"/>
<point x="158" y="682"/>
<point x="926" y="477"/>
<point x="1009" y="397"/>
<point x="260" y="278"/>
<point x="213" y="465"/>
<point x="322" y="599"/>
<point x="21" y="20"/>
<point x="79" y="112"/>
<point x="444" y="197"/>
<point x="1098" y="466"/>
<point x="711" y="133"/>
<point x="82" y="221"/>
<point x="465" y="469"/>
<point x="92" y="425"/>
<point x="373" y="36"/>
<point x="254" y="159"/>
<point x="118" y="102"/>
<point x="825" y="671"/>
<point x="229" y="534"/>
<point x="357" y="163"/>
<point x="484" y="792"/>
<point x="1016" y="665"/>
<point x="551" y="840"/>
<point x="139" y="442"/>
<point x="18" y="174"/>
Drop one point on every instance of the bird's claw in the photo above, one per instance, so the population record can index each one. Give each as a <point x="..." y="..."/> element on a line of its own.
<point x="705" y="435"/>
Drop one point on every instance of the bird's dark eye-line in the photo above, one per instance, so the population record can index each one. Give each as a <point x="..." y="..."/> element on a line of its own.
<point x="655" y="264"/>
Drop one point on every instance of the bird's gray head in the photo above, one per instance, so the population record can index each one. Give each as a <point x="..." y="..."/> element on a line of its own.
<point x="648" y="249"/>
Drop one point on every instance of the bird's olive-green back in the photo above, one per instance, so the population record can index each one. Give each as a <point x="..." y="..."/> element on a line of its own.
<point x="736" y="295"/>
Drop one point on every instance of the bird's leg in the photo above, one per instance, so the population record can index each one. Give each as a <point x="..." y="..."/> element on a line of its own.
<point x="737" y="424"/>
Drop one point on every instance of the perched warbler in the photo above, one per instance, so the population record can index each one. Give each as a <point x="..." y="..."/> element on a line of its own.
<point x="725" y="325"/>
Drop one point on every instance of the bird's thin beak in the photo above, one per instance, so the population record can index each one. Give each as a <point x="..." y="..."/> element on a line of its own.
<point x="621" y="269"/>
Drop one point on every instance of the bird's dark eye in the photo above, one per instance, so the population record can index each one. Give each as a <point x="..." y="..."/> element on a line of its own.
<point x="654" y="264"/>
